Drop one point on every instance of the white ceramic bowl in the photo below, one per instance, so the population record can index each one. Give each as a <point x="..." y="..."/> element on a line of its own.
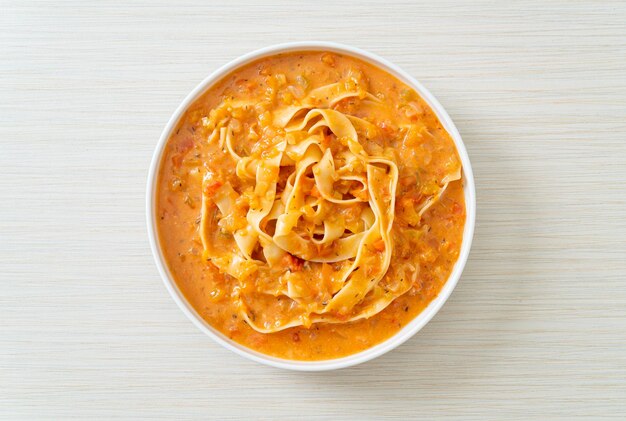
<point x="410" y="329"/>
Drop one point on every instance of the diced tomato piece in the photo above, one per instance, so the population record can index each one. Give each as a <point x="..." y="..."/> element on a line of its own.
<point x="379" y="245"/>
<point x="294" y="263"/>
<point x="388" y="129"/>
<point x="211" y="188"/>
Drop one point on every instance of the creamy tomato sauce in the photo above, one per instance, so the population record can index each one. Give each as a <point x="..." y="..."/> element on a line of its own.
<point x="422" y="150"/>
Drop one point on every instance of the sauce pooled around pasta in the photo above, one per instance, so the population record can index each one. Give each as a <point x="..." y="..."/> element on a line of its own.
<point x="310" y="205"/>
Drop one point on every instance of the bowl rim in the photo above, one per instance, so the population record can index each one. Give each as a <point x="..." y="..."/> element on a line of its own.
<point x="414" y="325"/>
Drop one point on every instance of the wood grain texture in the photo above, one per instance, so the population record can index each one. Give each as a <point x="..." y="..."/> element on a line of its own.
<point x="536" y="328"/>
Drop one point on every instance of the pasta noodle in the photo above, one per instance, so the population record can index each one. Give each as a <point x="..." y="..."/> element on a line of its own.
<point x="305" y="210"/>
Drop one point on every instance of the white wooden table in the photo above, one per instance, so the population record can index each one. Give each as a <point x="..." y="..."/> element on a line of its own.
<point x="537" y="326"/>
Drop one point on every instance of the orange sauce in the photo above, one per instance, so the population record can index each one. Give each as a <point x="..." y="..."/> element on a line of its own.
<point x="420" y="162"/>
